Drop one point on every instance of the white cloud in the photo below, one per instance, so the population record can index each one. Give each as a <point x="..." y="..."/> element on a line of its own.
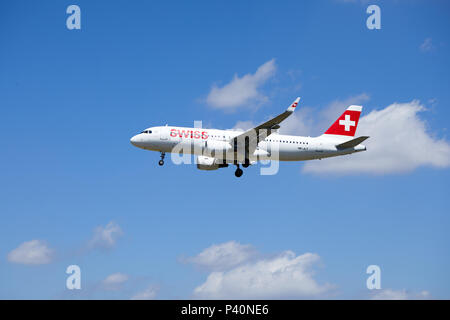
<point x="399" y="142"/>
<point x="301" y="122"/>
<point x="147" y="294"/>
<point x="389" y="294"/>
<point x="32" y="252"/>
<point x="106" y="237"/>
<point x="243" y="125"/>
<point x="114" y="281"/>
<point x="242" y="91"/>
<point x="223" y="256"/>
<point x="280" y="277"/>
<point x="427" y="45"/>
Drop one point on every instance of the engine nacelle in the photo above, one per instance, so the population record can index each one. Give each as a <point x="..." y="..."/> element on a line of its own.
<point x="207" y="163"/>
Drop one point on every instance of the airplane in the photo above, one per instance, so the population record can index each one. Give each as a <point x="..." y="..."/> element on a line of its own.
<point x="218" y="148"/>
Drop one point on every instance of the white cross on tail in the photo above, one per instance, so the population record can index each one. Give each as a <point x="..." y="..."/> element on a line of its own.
<point x="347" y="123"/>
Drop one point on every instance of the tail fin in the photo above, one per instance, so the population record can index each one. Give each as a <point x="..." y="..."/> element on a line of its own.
<point x="346" y="124"/>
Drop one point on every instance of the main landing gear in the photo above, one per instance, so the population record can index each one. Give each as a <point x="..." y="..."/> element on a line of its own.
<point x="238" y="171"/>
<point x="161" y="162"/>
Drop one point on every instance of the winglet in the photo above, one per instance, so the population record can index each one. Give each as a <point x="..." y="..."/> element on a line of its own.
<point x="293" y="105"/>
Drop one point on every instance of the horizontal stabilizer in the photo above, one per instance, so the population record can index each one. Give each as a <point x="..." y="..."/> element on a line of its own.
<point x="351" y="143"/>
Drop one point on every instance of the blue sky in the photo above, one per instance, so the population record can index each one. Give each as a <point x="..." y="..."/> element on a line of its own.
<point x="71" y="99"/>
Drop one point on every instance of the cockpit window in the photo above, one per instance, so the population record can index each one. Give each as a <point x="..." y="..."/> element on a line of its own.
<point x="147" y="131"/>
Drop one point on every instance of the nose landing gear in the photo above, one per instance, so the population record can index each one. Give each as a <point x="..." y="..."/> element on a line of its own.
<point x="161" y="162"/>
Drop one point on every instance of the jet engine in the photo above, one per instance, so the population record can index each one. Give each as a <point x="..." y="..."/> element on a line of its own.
<point x="208" y="163"/>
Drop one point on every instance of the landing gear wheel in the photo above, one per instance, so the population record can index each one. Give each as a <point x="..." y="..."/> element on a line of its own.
<point x="245" y="165"/>
<point x="161" y="162"/>
<point x="238" y="172"/>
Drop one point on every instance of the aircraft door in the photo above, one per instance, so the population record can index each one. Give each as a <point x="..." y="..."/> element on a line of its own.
<point x="163" y="133"/>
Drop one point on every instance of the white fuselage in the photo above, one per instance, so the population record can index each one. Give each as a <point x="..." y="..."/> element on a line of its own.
<point x="275" y="147"/>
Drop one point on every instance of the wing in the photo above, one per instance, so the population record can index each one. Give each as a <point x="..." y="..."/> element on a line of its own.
<point x="248" y="140"/>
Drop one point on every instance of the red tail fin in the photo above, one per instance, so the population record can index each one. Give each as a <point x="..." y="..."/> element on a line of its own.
<point x="346" y="124"/>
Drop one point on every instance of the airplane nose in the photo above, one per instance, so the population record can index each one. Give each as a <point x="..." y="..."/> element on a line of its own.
<point x="135" y="141"/>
